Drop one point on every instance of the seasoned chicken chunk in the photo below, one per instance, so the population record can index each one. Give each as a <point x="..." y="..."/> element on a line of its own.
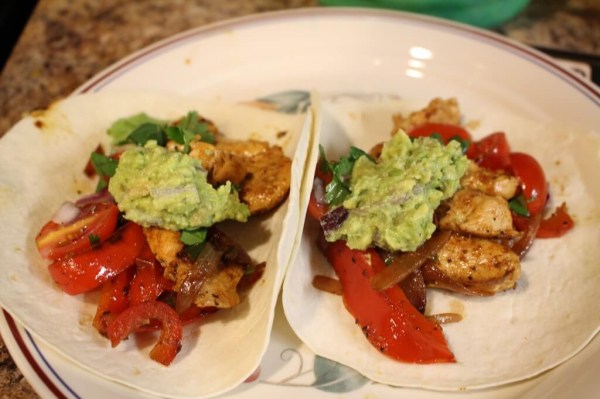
<point x="221" y="166"/>
<point x="476" y="213"/>
<point x="218" y="287"/>
<point x="263" y="171"/>
<point x="437" y="111"/>
<point x="492" y="182"/>
<point x="269" y="173"/>
<point x="474" y="266"/>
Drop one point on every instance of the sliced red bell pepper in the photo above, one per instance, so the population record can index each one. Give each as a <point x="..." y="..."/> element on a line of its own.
<point x="149" y="280"/>
<point x="90" y="269"/>
<point x="557" y="224"/>
<point x="113" y="299"/>
<point x="135" y="317"/>
<point x="388" y="320"/>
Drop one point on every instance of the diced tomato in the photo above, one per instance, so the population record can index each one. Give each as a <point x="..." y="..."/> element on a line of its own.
<point x="532" y="179"/>
<point x="96" y="222"/>
<point x="133" y="318"/>
<point x="113" y="299"/>
<point x="389" y="321"/>
<point x="491" y="152"/>
<point x="557" y="224"/>
<point x="90" y="269"/>
<point x="149" y="281"/>
<point x="445" y="131"/>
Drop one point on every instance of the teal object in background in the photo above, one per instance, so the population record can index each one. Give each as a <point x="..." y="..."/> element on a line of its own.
<point x="482" y="13"/>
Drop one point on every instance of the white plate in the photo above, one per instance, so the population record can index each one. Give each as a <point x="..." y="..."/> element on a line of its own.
<point x="340" y="51"/>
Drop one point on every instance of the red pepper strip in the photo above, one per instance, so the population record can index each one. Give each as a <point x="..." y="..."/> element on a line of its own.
<point x="149" y="281"/>
<point x="188" y="316"/>
<point x="113" y="299"/>
<point x="88" y="270"/>
<point x="169" y="342"/>
<point x="557" y="224"/>
<point x="387" y="318"/>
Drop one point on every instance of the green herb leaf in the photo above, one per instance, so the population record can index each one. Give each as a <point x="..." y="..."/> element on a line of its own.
<point x="339" y="188"/>
<point x="193" y="237"/>
<point x="104" y="166"/>
<point x="146" y="132"/>
<point x="192" y="125"/>
<point x="94" y="239"/>
<point x="122" y="128"/>
<point x="464" y="144"/>
<point x="519" y="205"/>
<point x="437" y="136"/>
<point x="181" y="136"/>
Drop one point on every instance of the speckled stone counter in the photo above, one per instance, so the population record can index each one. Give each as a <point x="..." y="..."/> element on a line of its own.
<point x="65" y="43"/>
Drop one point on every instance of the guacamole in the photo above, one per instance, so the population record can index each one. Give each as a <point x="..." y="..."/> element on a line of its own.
<point x="391" y="202"/>
<point x="157" y="187"/>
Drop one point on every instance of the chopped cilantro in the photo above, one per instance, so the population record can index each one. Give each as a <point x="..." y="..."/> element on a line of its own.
<point x="339" y="188"/>
<point x="141" y="128"/>
<point x="105" y="167"/>
<point x="194" y="241"/>
<point x="181" y="136"/>
<point x="146" y="132"/>
<point x="94" y="239"/>
<point x="192" y="126"/>
<point x="519" y="205"/>
<point x="464" y="144"/>
<point x="193" y="237"/>
<point x="122" y="128"/>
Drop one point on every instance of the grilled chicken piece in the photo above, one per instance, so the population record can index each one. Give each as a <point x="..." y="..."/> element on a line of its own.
<point x="221" y="166"/>
<point x="269" y="173"/>
<point x="492" y="182"/>
<point x="476" y="213"/>
<point x="218" y="287"/>
<point x="473" y="266"/>
<point x="437" y="111"/>
<point x="262" y="170"/>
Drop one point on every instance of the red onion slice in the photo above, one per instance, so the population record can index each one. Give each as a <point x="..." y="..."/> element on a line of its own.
<point x="66" y="213"/>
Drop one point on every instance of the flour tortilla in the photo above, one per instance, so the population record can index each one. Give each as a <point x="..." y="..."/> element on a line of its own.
<point x="551" y="315"/>
<point x="41" y="165"/>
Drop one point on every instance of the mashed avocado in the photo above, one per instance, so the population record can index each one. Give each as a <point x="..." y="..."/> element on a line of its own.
<point x="157" y="187"/>
<point x="391" y="203"/>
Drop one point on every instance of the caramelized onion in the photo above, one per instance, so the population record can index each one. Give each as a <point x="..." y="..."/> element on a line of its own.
<point x="404" y="264"/>
<point x="66" y="213"/>
<point x="522" y="246"/>
<point x="445" y="318"/>
<point x="327" y="284"/>
<point x="414" y="289"/>
<point x="206" y="263"/>
<point x="333" y="219"/>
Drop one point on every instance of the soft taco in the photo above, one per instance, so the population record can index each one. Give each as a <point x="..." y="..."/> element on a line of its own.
<point x="513" y="319"/>
<point x="43" y="159"/>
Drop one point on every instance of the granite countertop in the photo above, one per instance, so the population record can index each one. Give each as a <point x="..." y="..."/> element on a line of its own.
<point x="65" y="43"/>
